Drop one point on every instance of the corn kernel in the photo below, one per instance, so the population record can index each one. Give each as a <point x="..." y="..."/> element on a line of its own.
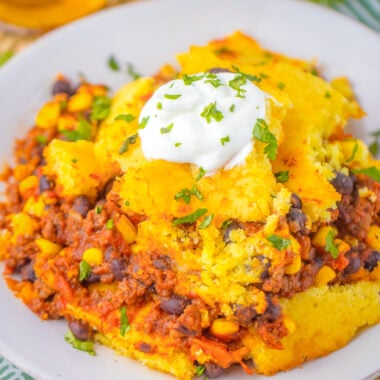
<point x="67" y="122"/>
<point x="21" y="171"/>
<point x="48" y="116"/>
<point x="342" y="246"/>
<point x="47" y="247"/>
<point x="79" y="102"/>
<point x="94" y="256"/>
<point x="35" y="207"/>
<point x="28" y="186"/>
<point x="319" y="238"/>
<point x="295" y="266"/>
<point x="222" y="327"/>
<point x="289" y="324"/>
<point x="296" y="247"/>
<point x="373" y="237"/>
<point x="324" y="275"/>
<point x="127" y="229"/>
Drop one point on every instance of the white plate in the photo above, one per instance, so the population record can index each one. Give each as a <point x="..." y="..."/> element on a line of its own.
<point x="149" y="34"/>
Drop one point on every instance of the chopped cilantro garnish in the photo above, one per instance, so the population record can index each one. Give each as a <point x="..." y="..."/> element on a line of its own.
<point x="250" y="77"/>
<point x="113" y="64"/>
<point x="128" y="141"/>
<point x="213" y="80"/>
<point x="177" y="144"/>
<point x="199" y="370"/>
<point x="132" y="72"/>
<point x="167" y="129"/>
<point x="126" y="203"/>
<point x="159" y="106"/>
<point x="327" y="94"/>
<point x="84" y="270"/>
<point x="74" y="160"/>
<point x="185" y="194"/>
<point x="374" y="147"/>
<point x="5" y="57"/>
<point x="124" y="323"/>
<point x="330" y="245"/>
<point x="264" y="76"/>
<point x="206" y="221"/>
<point x="191" y="218"/>
<point x="314" y="72"/>
<point x="222" y="50"/>
<point x="126" y="117"/>
<point x="232" y="108"/>
<point x="353" y="153"/>
<point x="41" y="139"/>
<point x="83" y="131"/>
<point x="281" y="85"/>
<point x="144" y="122"/>
<point x="190" y="79"/>
<point x="110" y="224"/>
<point x="261" y="133"/>
<point x="282" y="176"/>
<point x="98" y="209"/>
<point x="211" y="112"/>
<point x="278" y="242"/>
<point x="226" y="223"/>
<point x="224" y="140"/>
<point x="201" y="173"/>
<point x="237" y="83"/>
<point x="101" y="108"/>
<point x="172" y="96"/>
<point x="371" y="172"/>
<point x="82" y="345"/>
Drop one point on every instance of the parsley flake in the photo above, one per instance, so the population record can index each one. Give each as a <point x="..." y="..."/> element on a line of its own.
<point x="232" y="108"/>
<point x="261" y="133"/>
<point x="110" y="224"/>
<point x="224" y="140"/>
<point x="144" y="122"/>
<point x="191" y="218"/>
<point x="211" y="112"/>
<point x="124" y="322"/>
<point x="159" y="106"/>
<point x="327" y="94"/>
<point x="201" y="173"/>
<point x="374" y="147"/>
<point x="250" y="77"/>
<point x="113" y="64"/>
<point x="126" y="203"/>
<point x="371" y="172"/>
<point x="84" y="270"/>
<point x="82" y="345"/>
<point x="177" y="144"/>
<point x="237" y="83"/>
<point x="226" y="223"/>
<point x="190" y="79"/>
<point x="172" y="96"/>
<point x="132" y="72"/>
<point x="185" y="194"/>
<point x="353" y="153"/>
<point x="41" y="139"/>
<point x="281" y="85"/>
<point x="199" y="370"/>
<point x="278" y="242"/>
<point x="330" y="245"/>
<point x="98" y="209"/>
<point x="206" y="221"/>
<point x="101" y="108"/>
<point x="167" y="129"/>
<point x="213" y="80"/>
<point x="83" y="131"/>
<point x="5" y="57"/>
<point x="74" y="160"/>
<point x="282" y="176"/>
<point x="126" y="117"/>
<point x="128" y="141"/>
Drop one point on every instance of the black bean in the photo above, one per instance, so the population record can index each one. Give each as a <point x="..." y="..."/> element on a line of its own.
<point x="174" y="305"/>
<point x="343" y="184"/>
<point x="372" y="260"/>
<point x="162" y="262"/>
<point x="28" y="273"/>
<point x="217" y="70"/>
<point x="273" y="311"/>
<point x="117" y="267"/>
<point x="232" y="226"/>
<point x="186" y="331"/>
<point x="354" y="264"/>
<point x="295" y="201"/>
<point x="296" y="220"/>
<point x="80" y="329"/>
<point x="62" y="86"/>
<point x="145" y="347"/>
<point x="107" y="188"/>
<point x="44" y="184"/>
<point x="245" y="314"/>
<point x="82" y="205"/>
<point x="92" y="278"/>
<point x="213" y="371"/>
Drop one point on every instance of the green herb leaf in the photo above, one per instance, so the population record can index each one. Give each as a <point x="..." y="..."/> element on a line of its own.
<point x="374" y="148"/>
<point x="224" y="140"/>
<point x="84" y="270"/>
<point x="330" y="245"/>
<point x="282" y="176"/>
<point x="353" y="153"/>
<point x="213" y="80"/>
<point x="126" y="117"/>
<point x="81" y="345"/>
<point x="74" y="160"/>
<point x="232" y="108"/>
<point x="132" y="72"/>
<point x="250" y="77"/>
<point x="261" y="133"/>
<point x="101" y="108"/>
<point x="281" y="85"/>
<point x="98" y="209"/>
<point x="327" y="94"/>
<point x="237" y="83"/>
<point x="191" y="218"/>
<point x="110" y="224"/>
<point x="371" y="172"/>
<point x="190" y="79"/>
<point x="128" y="141"/>
<point x="144" y="122"/>
<point x="172" y="96"/>
<point x="41" y="139"/>
<point x="199" y="370"/>
<point x="126" y="203"/>
<point x="185" y="194"/>
<point x="113" y="64"/>
<point x="314" y="72"/>
<point x="159" y="106"/>
<point x="278" y="242"/>
<point x="206" y="221"/>
<point x="124" y="323"/>
<point x="226" y="223"/>
<point x="5" y="57"/>
<point x="211" y="112"/>
<point x="167" y="129"/>
<point x="83" y="131"/>
<point x="177" y="144"/>
<point x="201" y="173"/>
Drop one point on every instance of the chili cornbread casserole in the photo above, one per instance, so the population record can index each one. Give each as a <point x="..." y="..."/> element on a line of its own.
<point x="201" y="218"/>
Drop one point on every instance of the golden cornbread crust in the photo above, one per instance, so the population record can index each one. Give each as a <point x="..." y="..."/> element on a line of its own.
<point x="285" y="269"/>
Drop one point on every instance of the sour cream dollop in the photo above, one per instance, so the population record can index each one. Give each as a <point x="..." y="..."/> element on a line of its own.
<point x="204" y="119"/>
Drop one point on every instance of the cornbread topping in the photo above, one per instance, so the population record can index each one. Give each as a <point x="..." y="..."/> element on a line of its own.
<point x="204" y="119"/>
